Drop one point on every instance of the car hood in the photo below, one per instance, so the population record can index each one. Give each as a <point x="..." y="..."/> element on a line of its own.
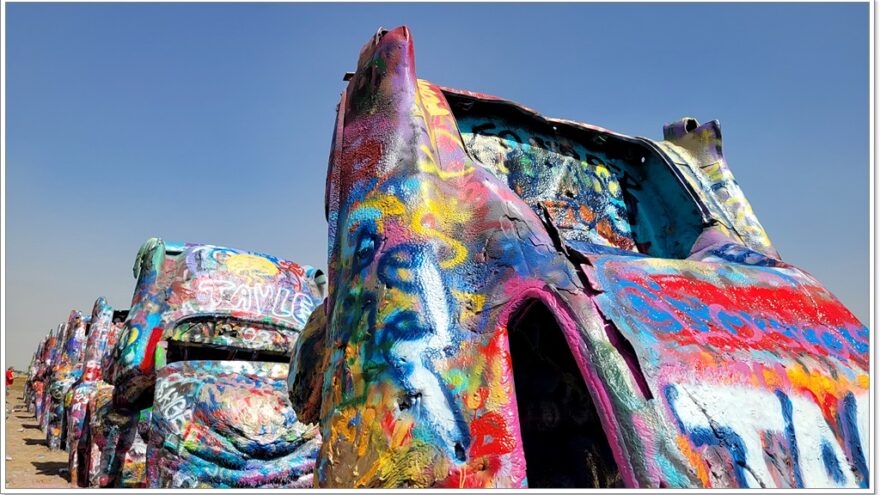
<point x="760" y="360"/>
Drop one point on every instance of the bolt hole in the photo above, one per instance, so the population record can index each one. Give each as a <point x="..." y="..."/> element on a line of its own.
<point x="406" y="401"/>
<point x="459" y="452"/>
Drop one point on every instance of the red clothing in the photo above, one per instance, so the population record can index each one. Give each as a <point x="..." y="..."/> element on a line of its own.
<point x="9" y="377"/>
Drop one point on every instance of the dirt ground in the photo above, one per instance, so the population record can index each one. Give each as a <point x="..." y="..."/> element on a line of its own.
<point x="29" y="462"/>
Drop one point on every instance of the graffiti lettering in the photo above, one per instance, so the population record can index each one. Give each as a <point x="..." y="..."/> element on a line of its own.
<point x="224" y="295"/>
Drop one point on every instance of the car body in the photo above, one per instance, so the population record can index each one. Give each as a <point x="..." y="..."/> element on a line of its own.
<point x="208" y="326"/>
<point x="102" y="332"/>
<point x="65" y="372"/>
<point x="31" y="388"/>
<point x="90" y="466"/>
<point x="43" y="374"/>
<point x="516" y="300"/>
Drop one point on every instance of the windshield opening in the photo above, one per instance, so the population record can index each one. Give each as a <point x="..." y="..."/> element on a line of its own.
<point x="599" y="188"/>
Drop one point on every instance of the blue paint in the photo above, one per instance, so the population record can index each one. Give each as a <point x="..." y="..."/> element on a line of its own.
<point x="810" y="336"/>
<point x="832" y="342"/>
<point x="404" y="259"/>
<point x="859" y="346"/>
<point x="640" y="301"/>
<point x="724" y="437"/>
<point x="832" y="466"/>
<point x="593" y="248"/>
<point x="405" y="326"/>
<point x="366" y="245"/>
<point x="790" y="435"/>
<point x="849" y="424"/>
<point x="719" y="436"/>
<point x="729" y="321"/>
<point x="790" y="331"/>
<point x="695" y="310"/>
<point x="737" y="253"/>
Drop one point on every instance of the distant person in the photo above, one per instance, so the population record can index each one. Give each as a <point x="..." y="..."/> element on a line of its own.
<point x="9" y="379"/>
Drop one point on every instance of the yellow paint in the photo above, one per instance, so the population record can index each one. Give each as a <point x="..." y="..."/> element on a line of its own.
<point x="341" y="425"/>
<point x="438" y="123"/>
<point x="821" y="385"/>
<point x="397" y="300"/>
<point x="471" y="300"/>
<point x="714" y="172"/>
<point x="387" y="205"/>
<point x="248" y="265"/>
<point x="447" y="213"/>
<point x="363" y="480"/>
<point x="428" y="165"/>
<point x="404" y="274"/>
<point x="430" y="100"/>
<point x="771" y="378"/>
<point x="614" y="188"/>
<point x="366" y="425"/>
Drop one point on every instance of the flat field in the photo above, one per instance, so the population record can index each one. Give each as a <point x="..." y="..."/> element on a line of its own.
<point x="29" y="462"/>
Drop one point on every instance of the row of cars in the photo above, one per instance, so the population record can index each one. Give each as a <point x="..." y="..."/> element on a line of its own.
<point x="187" y="387"/>
<point x="512" y="301"/>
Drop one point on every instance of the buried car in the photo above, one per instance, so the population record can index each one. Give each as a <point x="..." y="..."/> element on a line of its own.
<point x="102" y="333"/>
<point x="65" y="372"/>
<point x="32" y="386"/>
<point x="206" y="345"/>
<point x="516" y="300"/>
<point x="43" y="374"/>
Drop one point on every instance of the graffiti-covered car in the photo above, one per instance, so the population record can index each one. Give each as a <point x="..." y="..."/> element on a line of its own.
<point x="66" y="370"/>
<point x="206" y="345"/>
<point x="101" y="333"/>
<point x="120" y="426"/>
<point x="32" y="386"/>
<point x="516" y="300"/>
<point x="44" y="373"/>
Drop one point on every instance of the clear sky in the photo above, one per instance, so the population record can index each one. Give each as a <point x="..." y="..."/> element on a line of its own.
<point x="212" y="122"/>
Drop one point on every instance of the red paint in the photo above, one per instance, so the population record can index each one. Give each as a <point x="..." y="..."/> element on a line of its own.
<point x="491" y="436"/>
<point x="150" y="357"/>
<point x="801" y="307"/>
<point x="802" y="303"/>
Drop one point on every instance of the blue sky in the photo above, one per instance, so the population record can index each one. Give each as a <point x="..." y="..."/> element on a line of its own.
<point x="212" y="122"/>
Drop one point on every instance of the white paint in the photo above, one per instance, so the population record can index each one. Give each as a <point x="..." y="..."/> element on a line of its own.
<point x="172" y="405"/>
<point x="749" y="412"/>
<point x="863" y="404"/>
<point x="433" y="401"/>
<point x="214" y="295"/>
